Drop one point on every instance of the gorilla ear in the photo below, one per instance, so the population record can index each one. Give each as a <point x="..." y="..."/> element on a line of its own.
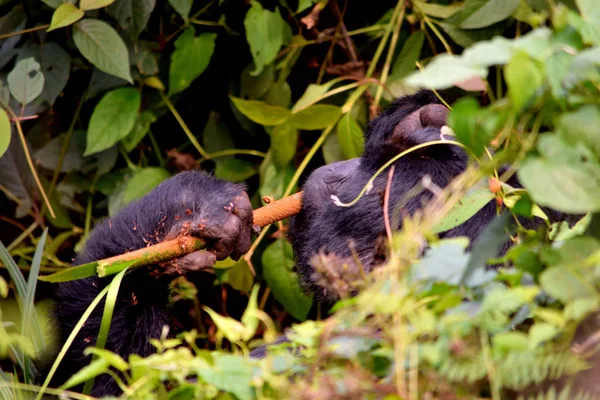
<point x="411" y="129"/>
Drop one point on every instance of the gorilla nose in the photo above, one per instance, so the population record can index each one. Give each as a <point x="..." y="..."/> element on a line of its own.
<point x="433" y="115"/>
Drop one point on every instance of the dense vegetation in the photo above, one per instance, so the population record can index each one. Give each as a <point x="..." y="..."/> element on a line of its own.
<point x="100" y="100"/>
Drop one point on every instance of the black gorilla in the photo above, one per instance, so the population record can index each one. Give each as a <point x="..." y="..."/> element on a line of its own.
<point x="198" y="204"/>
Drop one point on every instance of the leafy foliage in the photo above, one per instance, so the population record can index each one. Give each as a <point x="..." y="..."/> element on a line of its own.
<point x="101" y="100"/>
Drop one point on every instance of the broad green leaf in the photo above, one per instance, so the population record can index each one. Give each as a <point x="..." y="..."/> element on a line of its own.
<point x="284" y="139"/>
<point x="139" y="130"/>
<point x="406" y="61"/>
<point x="56" y="65"/>
<point x="278" y="264"/>
<point x="265" y="32"/>
<point x="5" y="131"/>
<point x="54" y="3"/>
<point x="523" y="77"/>
<point x="234" y="169"/>
<point x="541" y="332"/>
<point x="280" y="94"/>
<point x="101" y="45"/>
<point x="49" y="155"/>
<point x="95" y="368"/>
<point x="86" y="5"/>
<point x="332" y="151"/>
<point x="444" y="71"/>
<point x="26" y="80"/>
<point x="561" y="186"/>
<point x="491" y="12"/>
<point x="232" y="374"/>
<point x="436" y="10"/>
<point x="589" y="11"/>
<point x="488" y="244"/>
<point x="304" y="4"/>
<point x="318" y="116"/>
<point x="581" y="125"/>
<point x="261" y="112"/>
<point x="190" y="58"/>
<point x="312" y="94"/>
<point x="444" y="261"/>
<point x="510" y="341"/>
<point x="566" y="284"/>
<point x="473" y="126"/>
<point x="133" y="15"/>
<point x="580" y="308"/>
<point x="142" y="182"/>
<point x="183" y="7"/>
<point x="350" y="136"/>
<point x="256" y="86"/>
<point x="467" y="207"/>
<point x="65" y="15"/>
<point x="112" y="119"/>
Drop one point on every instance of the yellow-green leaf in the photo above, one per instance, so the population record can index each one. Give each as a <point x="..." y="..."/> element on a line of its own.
<point x="318" y="116"/>
<point x="4" y="132"/>
<point x="261" y="112"/>
<point x="94" y="4"/>
<point x="65" y="15"/>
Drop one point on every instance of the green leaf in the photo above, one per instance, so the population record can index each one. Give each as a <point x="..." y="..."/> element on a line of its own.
<point x="261" y="112"/>
<point x="561" y="186"/>
<point x="406" y="61"/>
<point x="436" y="10"/>
<point x="510" y="341"/>
<point x="589" y="10"/>
<point x="578" y="309"/>
<point x="95" y="368"/>
<point x="142" y="182"/>
<point x="581" y="126"/>
<point x="139" y="131"/>
<point x="234" y="169"/>
<point x="265" y="31"/>
<point x="101" y="45"/>
<point x="5" y="131"/>
<point x="231" y="373"/>
<point x="332" y="151"/>
<point x="488" y="244"/>
<point x="87" y="5"/>
<point x="284" y="139"/>
<point x="112" y="119"/>
<point x="312" y="94"/>
<point x="55" y="64"/>
<point x="444" y="71"/>
<point x="350" y="136"/>
<point x="524" y="78"/>
<point x="183" y="7"/>
<point x="304" y="4"/>
<point x="65" y="15"/>
<point x="133" y="15"/>
<point x="467" y="207"/>
<point x="26" y="80"/>
<point x="190" y="58"/>
<point x="541" y="332"/>
<point x="566" y="284"/>
<point x="491" y="12"/>
<point x="318" y="116"/>
<point x="474" y="127"/>
<point x="278" y="264"/>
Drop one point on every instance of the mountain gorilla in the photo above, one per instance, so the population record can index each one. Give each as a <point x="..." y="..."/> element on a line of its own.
<point x="196" y="203"/>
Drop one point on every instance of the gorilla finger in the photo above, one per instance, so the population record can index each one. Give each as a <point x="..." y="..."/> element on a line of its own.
<point x="244" y="241"/>
<point x="197" y="260"/>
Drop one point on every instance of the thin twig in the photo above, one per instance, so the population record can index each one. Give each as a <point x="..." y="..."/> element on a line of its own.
<point x="386" y="205"/>
<point x="30" y="163"/>
<point x="183" y="125"/>
<point x="34" y="29"/>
